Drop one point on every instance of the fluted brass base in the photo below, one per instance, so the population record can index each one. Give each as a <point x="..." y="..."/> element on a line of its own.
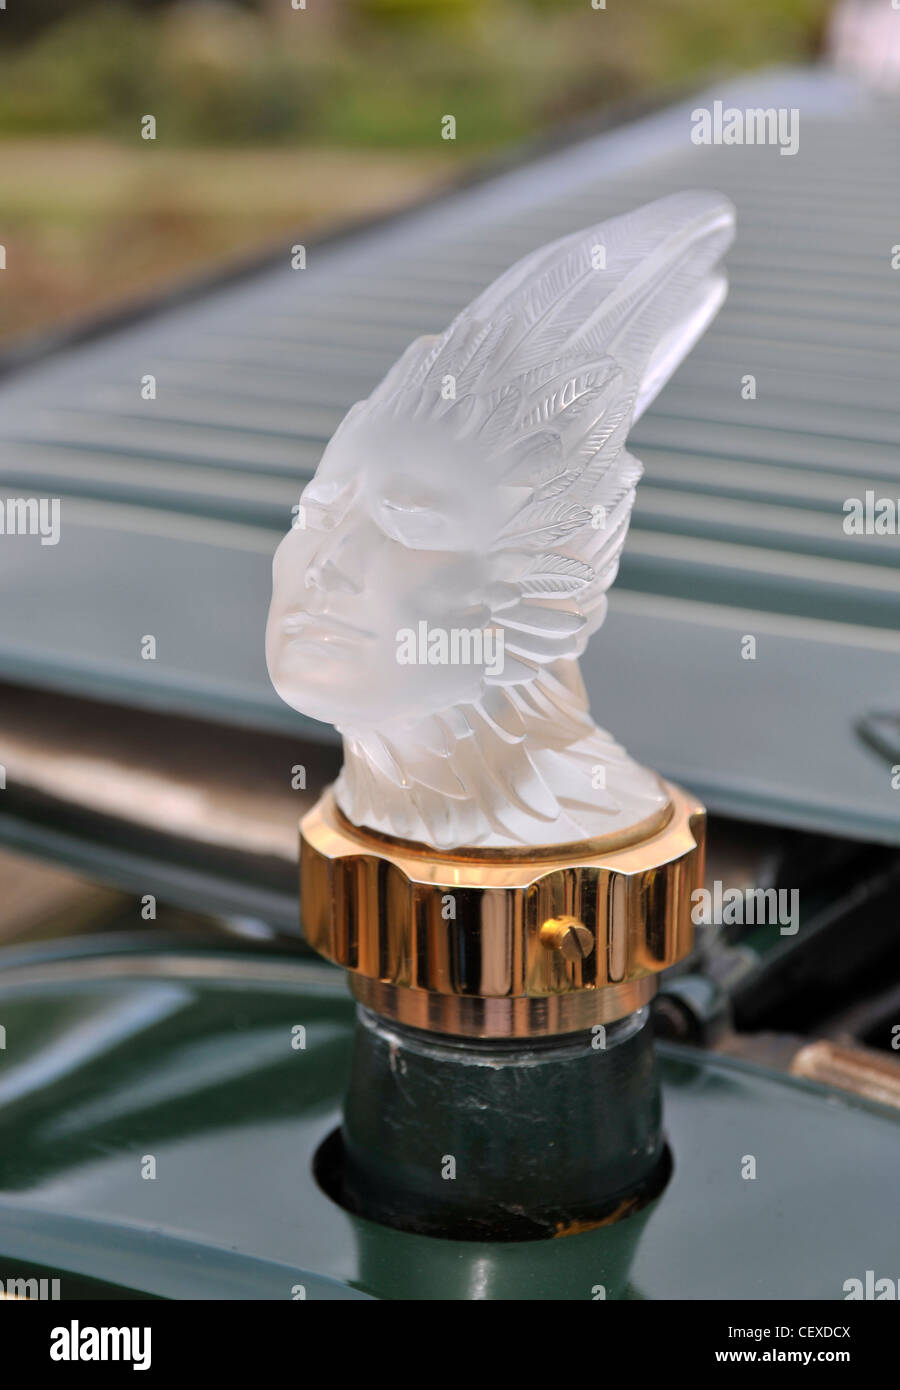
<point x="497" y="944"/>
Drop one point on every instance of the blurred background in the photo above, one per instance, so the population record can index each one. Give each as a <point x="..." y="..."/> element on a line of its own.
<point x="273" y="119"/>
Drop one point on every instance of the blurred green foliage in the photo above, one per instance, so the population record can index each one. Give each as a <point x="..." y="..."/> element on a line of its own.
<point x="367" y="72"/>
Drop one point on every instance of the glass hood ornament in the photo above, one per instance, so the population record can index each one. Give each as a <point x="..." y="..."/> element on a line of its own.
<point x="501" y="881"/>
<point x="453" y="552"/>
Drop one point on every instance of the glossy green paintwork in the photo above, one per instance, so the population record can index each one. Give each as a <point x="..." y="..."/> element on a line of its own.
<point x="188" y="1056"/>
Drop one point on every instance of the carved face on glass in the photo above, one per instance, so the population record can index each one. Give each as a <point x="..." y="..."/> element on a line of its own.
<point x="377" y="551"/>
<point x="452" y="554"/>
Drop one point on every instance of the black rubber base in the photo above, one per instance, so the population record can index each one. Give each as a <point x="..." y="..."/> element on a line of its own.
<point x="480" y="1140"/>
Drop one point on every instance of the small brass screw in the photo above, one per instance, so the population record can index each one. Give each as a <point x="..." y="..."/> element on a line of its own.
<point x="568" y="935"/>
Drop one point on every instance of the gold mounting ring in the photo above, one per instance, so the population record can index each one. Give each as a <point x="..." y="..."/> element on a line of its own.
<point x="506" y="945"/>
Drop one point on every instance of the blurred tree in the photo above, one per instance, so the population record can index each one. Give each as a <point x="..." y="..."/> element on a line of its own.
<point x="82" y="73"/>
<point x="420" y="13"/>
<point x="23" y="18"/>
<point x="369" y="72"/>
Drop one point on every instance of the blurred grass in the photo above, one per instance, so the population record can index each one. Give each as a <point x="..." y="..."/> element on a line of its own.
<point x="274" y="120"/>
<point x="89" y="223"/>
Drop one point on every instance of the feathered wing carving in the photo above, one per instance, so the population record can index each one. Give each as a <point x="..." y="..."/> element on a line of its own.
<point x="548" y="367"/>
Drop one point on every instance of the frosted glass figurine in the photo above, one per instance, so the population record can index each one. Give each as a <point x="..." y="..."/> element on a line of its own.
<point x="451" y="556"/>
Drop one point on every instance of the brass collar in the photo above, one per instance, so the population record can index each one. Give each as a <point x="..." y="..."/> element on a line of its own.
<point x="502" y="945"/>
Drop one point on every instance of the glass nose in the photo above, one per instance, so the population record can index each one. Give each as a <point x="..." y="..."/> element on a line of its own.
<point x="329" y="572"/>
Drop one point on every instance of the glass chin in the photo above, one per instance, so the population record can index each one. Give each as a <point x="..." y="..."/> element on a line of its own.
<point x="344" y="697"/>
<point x="351" y="689"/>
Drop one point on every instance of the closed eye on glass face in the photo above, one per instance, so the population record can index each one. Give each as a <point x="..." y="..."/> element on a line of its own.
<point x="416" y="517"/>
